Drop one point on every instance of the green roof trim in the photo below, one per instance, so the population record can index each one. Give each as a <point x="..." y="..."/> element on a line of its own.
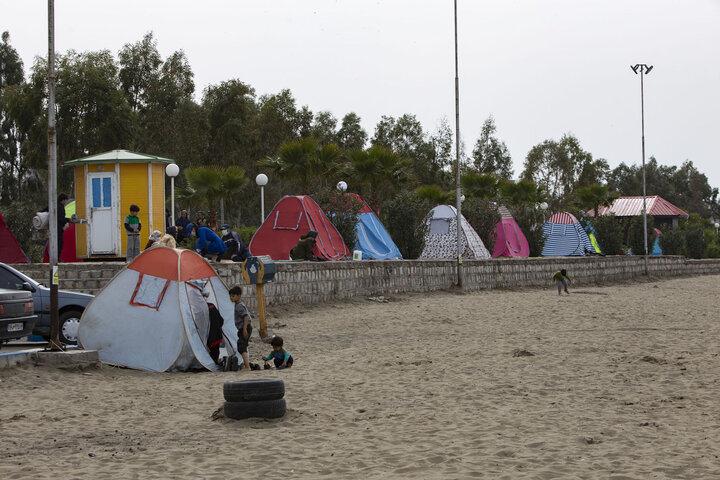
<point x="119" y="156"/>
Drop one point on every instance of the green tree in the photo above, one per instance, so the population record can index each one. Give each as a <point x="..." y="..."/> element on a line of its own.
<point x="559" y="167"/>
<point x="306" y="163"/>
<point x="490" y="155"/>
<point x="434" y="194"/>
<point x="231" y="116"/>
<point x="591" y="197"/>
<point x="521" y="193"/>
<point x="694" y="240"/>
<point x="477" y="185"/>
<point x="323" y="128"/>
<point x="530" y="219"/>
<point x="12" y="77"/>
<point x="343" y="210"/>
<point x="405" y="136"/>
<point x="379" y="172"/>
<point x="212" y="187"/>
<point x="351" y="135"/>
<point x="139" y="70"/>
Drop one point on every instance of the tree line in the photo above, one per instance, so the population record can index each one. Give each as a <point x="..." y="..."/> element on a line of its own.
<point x="143" y="102"/>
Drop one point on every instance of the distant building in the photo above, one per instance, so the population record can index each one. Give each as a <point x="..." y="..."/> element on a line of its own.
<point x="664" y="212"/>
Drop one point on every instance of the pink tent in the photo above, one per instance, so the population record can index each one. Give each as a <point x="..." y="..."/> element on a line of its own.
<point x="509" y="239"/>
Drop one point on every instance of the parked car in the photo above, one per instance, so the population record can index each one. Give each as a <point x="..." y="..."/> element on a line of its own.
<point x="16" y="314"/>
<point x="70" y="304"/>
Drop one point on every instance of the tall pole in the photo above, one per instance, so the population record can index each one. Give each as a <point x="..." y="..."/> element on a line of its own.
<point x="457" y="161"/>
<point x="644" y="69"/>
<point x="172" y="199"/>
<point x="52" y="184"/>
<point x="262" y="204"/>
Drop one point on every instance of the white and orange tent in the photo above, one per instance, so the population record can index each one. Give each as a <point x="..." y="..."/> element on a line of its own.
<point x="153" y="316"/>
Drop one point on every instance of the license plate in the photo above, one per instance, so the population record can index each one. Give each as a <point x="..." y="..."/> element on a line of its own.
<point x="15" y="327"/>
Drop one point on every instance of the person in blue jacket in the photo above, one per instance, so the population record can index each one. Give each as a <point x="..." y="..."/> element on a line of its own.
<point x="208" y="244"/>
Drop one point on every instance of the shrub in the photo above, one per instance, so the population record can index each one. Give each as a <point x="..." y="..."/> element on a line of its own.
<point x="608" y="234"/>
<point x="694" y="240"/>
<point x="18" y="217"/>
<point x="342" y="210"/>
<point x="246" y="233"/>
<point x="635" y="234"/>
<point x="672" y="241"/>
<point x="530" y="220"/>
<point x="404" y="219"/>
<point x="483" y="216"/>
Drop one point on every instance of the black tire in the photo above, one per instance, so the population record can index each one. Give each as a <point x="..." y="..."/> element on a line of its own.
<point x="253" y="390"/>
<point x="68" y="324"/>
<point x="262" y="409"/>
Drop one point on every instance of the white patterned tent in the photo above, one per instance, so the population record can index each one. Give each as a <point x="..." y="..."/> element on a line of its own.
<point x="441" y="237"/>
<point x="153" y="316"/>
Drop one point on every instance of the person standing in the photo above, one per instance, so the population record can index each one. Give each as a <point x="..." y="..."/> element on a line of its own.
<point x="181" y="224"/>
<point x="132" y="228"/>
<point x="62" y="220"/>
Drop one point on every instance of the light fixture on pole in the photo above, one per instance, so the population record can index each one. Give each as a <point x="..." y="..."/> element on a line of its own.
<point x="342" y="186"/>
<point x="172" y="171"/>
<point x="643" y="70"/>
<point x="262" y="180"/>
<point x="717" y="226"/>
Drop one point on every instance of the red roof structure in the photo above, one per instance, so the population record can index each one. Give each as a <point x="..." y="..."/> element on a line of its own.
<point x="633" y="206"/>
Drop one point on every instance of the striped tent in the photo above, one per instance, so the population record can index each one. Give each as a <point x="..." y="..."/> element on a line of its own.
<point x="565" y="237"/>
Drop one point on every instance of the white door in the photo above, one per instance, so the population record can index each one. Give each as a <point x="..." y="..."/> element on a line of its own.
<point x="101" y="222"/>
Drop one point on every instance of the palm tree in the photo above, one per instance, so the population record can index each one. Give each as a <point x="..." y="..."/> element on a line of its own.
<point x="380" y="171"/>
<point x="478" y="185"/>
<point x="435" y="194"/>
<point x="211" y="186"/>
<point x="592" y="196"/>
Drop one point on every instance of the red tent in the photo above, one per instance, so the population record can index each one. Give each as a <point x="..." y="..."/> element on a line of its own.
<point x="292" y="217"/>
<point x="10" y="249"/>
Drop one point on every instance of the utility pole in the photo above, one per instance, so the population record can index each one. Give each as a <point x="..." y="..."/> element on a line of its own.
<point x="52" y="184"/>
<point x="457" y="162"/>
<point x="644" y="70"/>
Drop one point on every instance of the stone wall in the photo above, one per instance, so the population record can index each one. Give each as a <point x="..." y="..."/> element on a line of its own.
<point x="319" y="282"/>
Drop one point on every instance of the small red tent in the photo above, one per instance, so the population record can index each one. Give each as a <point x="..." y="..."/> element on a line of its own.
<point x="10" y="249"/>
<point x="292" y="217"/>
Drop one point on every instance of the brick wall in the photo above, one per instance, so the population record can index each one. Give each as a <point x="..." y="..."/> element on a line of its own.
<point x="319" y="282"/>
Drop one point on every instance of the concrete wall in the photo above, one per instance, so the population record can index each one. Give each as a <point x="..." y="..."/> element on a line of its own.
<point x="319" y="282"/>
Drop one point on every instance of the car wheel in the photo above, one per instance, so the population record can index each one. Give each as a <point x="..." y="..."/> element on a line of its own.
<point x="262" y="409"/>
<point x="69" y="323"/>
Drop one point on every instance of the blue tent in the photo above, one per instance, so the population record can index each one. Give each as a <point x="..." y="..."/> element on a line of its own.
<point x="372" y="239"/>
<point x="565" y="237"/>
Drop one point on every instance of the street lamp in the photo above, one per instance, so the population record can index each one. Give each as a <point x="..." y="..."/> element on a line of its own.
<point x="644" y="70"/>
<point x="262" y="180"/>
<point x="172" y="171"/>
<point x="717" y="226"/>
<point x="342" y="186"/>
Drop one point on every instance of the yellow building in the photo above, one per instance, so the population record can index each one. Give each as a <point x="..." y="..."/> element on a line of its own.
<point x="105" y="186"/>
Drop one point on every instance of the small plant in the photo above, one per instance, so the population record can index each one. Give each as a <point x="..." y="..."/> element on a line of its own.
<point x="404" y="219"/>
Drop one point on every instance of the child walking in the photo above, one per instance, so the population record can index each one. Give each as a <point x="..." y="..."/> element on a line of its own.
<point x="243" y="322"/>
<point x="561" y="279"/>
<point x="280" y="357"/>
<point x="132" y="228"/>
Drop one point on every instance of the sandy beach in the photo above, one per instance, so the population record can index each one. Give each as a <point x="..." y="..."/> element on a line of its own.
<point x="618" y="382"/>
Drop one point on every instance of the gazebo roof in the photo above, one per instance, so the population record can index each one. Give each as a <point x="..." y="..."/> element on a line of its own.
<point x="632" y="206"/>
<point x="119" y="156"/>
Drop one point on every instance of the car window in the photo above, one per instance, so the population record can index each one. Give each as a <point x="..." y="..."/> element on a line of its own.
<point x="10" y="280"/>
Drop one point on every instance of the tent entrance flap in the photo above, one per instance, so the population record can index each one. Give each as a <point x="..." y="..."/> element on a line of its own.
<point x="149" y="291"/>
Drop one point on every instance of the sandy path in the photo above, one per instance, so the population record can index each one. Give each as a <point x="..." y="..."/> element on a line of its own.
<point x="608" y="382"/>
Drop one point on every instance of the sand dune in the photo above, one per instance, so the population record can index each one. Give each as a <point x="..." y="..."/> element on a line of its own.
<point x="617" y="382"/>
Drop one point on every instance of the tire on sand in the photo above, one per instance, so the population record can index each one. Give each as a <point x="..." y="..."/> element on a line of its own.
<point x="260" y="409"/>
<point x="253" y="390"/>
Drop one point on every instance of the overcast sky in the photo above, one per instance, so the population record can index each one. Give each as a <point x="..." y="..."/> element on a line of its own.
<point x="542" y="68"/>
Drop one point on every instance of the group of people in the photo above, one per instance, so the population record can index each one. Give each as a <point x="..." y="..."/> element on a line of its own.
<point x="205" y="241"/>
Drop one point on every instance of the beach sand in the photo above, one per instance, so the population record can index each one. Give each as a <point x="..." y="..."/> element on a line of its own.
<point x="618" y="382"/>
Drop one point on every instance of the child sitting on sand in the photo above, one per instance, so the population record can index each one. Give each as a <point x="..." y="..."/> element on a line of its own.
<point x="561" y="279"/>
<point x="281" y="358"/>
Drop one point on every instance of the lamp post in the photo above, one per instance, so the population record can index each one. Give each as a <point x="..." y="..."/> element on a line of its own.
<point x="342" y="186"/>
<point x="172" y="171"/>
<point x="643" y="70"/>
<point x="717" y="228"/>
<point x="262" y="180"/>
<point x="457" y="160"/>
